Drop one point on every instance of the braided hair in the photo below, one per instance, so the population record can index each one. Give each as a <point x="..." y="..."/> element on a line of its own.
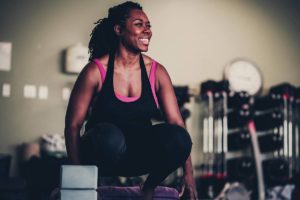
<point x="103" y="37"/>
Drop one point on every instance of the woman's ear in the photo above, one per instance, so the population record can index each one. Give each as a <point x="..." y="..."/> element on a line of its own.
<point x="117" y="29"/>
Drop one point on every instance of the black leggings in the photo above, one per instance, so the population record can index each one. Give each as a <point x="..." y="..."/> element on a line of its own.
<point x="157" y="151"/>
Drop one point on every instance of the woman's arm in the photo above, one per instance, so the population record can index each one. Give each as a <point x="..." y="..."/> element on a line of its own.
<point x="84" y="89"/>
<point x="169" y="105"/>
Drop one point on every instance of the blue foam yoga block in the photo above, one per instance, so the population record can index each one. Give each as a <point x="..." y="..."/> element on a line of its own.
<point x="79" y="177"/>
<point x="78" y="194"/>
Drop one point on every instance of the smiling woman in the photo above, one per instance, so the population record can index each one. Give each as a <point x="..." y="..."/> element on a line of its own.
<point x="137" y="32"/>
<point x="119" y="91"/>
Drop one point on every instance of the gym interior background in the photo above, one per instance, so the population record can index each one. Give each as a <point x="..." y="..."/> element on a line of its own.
<point x="193" y="39"/>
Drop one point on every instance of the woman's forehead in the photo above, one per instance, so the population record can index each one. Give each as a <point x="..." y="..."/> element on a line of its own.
<point x="137" y="14"/>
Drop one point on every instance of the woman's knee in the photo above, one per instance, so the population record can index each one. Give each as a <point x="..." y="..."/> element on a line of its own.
<point x="107" y="141"/>
<point x="176" y="139"/>
<point x="181" y="139"/>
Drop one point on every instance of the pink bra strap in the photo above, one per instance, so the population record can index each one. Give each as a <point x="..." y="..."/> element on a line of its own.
<point x="101" y="69"/>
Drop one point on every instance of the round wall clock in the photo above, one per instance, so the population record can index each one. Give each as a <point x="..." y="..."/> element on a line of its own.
<point x="243" y="75"/>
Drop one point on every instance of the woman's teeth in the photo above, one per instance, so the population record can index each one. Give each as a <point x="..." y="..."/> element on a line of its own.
<point x="144" y="41"/>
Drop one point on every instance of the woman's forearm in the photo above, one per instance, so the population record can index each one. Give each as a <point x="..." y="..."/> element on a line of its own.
<point x="188" y="167"/>
<point x="72" y="136"/>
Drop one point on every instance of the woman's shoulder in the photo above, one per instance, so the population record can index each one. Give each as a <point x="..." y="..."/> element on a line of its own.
<point x="161" y="73"/>
<point x="90" y="71"/>
<point x="159" y="67"/>
<point x="103" y="60"/>
<point x="148" y="62"/>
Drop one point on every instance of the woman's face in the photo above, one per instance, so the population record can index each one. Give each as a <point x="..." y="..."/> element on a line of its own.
<point x="136" y="34"/>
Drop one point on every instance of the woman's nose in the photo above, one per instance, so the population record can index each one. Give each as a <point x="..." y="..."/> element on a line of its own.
<point x="147" y="29"/>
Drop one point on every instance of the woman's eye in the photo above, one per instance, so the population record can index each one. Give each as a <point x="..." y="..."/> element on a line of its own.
<point x="139" y="24"/>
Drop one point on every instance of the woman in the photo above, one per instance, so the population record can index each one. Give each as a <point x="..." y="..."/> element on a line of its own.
<point x="120" y="90"/>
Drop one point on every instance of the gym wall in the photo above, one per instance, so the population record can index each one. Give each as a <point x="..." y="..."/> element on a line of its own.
<point x="193" y="39"/>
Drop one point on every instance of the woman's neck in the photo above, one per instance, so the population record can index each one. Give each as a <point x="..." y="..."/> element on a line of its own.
<point x="126" y="58"/>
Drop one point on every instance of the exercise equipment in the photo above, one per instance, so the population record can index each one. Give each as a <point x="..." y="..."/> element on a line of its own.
<point x="79" y="182"/>
<point x="215" y="94"/>
<point x="213" y="170"/>
<point x="239" y="118"/>
<point x="265" y="104"/>
<point x="241" y="169"/>
<point x="133" y="192"/>
<point x="238" y="140"/>
<point x="285" y="93"/>
<point x="276" y="171"/>
<point x="268" y="121"/>
<point x="265" y="130"/>
<point x="270" y="142"/>
<point x="239" y="100"/>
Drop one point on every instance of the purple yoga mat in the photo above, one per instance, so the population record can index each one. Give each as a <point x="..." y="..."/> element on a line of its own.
<point x="134" y="193"/>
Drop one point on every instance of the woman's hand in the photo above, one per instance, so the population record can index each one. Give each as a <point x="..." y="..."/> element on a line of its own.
<point x="189" y="186"/>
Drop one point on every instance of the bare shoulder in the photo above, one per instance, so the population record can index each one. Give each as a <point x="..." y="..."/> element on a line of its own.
<point x="104" y="61"/>
<point x="90" y="73"/>
<point x="162" y="77"/>
<point x="161" y="71"/>
<point x="90" y="68"/>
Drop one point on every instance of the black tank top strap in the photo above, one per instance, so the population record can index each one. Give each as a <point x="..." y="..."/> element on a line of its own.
<point x="107" y="87"/>
<point x="145" y="80"/>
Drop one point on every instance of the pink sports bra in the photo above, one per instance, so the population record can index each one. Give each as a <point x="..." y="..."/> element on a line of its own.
<point x="131" y="99"/>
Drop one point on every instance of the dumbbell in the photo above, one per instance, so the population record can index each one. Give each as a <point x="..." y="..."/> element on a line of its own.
<point x="208" y="86"/>
<point x="238" y="140"/>
<point x="182" y="95"/>
<point x="78" y="182"/>
<point x="264" y="104"/>
<point x="214" y="87"/>
<point x="238" y="100"/>
<point x="268" y="121"/>
<point x="282" y="91"/>
<point x="241" y="169"/>
<point x="297" y="95"/>
<point x="223" y="86"/>
<point x="276" y="171"/>
<point x="270" y="142"/>
<point x="238" y="118"/>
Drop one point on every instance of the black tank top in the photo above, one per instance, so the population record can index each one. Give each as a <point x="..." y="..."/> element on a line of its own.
<point x="128" y="116"/>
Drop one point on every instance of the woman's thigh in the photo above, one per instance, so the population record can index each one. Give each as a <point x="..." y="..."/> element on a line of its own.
<point x="102" y="145"/>
<point x="156" y="147"/>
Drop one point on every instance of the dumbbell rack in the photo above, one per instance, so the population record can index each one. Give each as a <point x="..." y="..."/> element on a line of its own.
<point x="285" y="136"/>
<point x="280" y="149"/>
<point x="214" y="141"/>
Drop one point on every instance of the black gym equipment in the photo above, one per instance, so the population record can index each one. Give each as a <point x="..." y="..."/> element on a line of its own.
<point x="270" y="142"/>
<point x="241" y="169"/>
<point x="238" y="140"/>
<point x="276" y="171"/>
<point x="268" y="121"/>
<point x="239" y="117"/>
